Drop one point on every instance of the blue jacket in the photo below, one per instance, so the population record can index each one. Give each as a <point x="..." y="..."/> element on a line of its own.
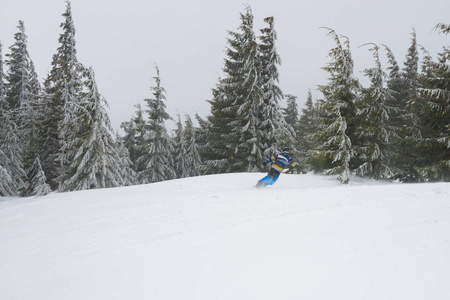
<point x="281" y="161"/>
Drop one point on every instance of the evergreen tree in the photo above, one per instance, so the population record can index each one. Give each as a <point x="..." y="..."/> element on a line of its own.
<point x="126" y="165"/>
<point x="11" y="168"/>
<point x="201" y="134"/>
<point x="62" y="86"/>
<point x="141" y="144"/>
<point x="410" y="104"/>
<point x="157" y="158"/>
<point x="134" y="140"/>
<point x="193" y="160"/>
<point x="337" y="120"/>
<point x="394" y="83"/>
<point x="129" y="139"/>
<point x="275" y="131"/>
<point x="232" y="123"/>
<point x="218" y="151"/>
<point x="305" y="144"/>
<point x="435" y="143"/>
<point x="90" y="150"/>
<point x="291" y="111"/>
<point x="410" y="75"/>
<point x="187" y="158"/>
<point x="374" y="132"/>
<point x="181" y="168"/>
<point x="246" y="123"/>
<point x="37" y="185"/>
<point x="398" y="103"/>
<point x="247" y="96"/>
<point x="18" y="76"/>
<point x="23" y="96"/>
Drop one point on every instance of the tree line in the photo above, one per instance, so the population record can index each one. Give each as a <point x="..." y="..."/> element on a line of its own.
<point x="57" y="136"/>
<point x="397" y="128"/>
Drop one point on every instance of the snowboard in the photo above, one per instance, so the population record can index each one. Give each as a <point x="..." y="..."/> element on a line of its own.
<point x="260" y="184"/>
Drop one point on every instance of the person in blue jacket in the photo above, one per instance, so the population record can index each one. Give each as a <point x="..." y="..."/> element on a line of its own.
<point x="279" y="163"/>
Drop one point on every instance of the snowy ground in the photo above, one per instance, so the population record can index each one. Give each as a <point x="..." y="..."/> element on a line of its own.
<point x="218" y="237"/>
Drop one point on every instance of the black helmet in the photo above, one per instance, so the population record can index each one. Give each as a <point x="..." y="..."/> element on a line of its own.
<point x="286" y="149"/>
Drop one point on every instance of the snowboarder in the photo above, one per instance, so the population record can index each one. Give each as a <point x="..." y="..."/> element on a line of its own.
<point x="279" y="163"/>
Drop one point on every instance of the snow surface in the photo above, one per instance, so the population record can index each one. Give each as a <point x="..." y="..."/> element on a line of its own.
<point x="218" y="237"/>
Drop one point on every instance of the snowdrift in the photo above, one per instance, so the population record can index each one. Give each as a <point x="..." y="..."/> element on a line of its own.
<point x="218" y="237"/>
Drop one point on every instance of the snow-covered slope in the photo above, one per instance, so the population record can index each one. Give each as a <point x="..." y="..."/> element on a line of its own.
<point x="218" y="237"/>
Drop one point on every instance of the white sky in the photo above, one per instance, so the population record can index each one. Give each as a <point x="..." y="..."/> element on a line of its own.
<point x="122" y="41"/>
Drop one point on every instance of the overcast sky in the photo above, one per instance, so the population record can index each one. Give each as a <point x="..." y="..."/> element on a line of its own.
<point x="123" y="40"/>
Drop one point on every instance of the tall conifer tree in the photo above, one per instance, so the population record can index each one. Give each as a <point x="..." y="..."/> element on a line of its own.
<point x="232" y="121"/>
<point x="12" y="173"/>
<point x="201" y="134"/>
<point x="193" y="160"/>
<point x="291" y="111"/>
<point x="275" y="131"/>
<point x="246" y="123"/>
<point x="134" y="137"/>
<point x="157" y="158"/>
<point x="410" y="75"/>
<point x="374" y="133"/>
<point x="37" y="184"/>
<point x="23" y="96"/>
<point x="395" y="83"/>
<point x="219" y="153"/>
<point x="181" y="167"/>
<point x="409" y="103"/>
<point x="305" y="144"/>
<point x="246" y="133"/>
<point x="435" y="116"/>
<point x="62" y="86"/>
<point x="90" y="149"/>
<point x="126" y="165"/>
<point x="337" y="127"/>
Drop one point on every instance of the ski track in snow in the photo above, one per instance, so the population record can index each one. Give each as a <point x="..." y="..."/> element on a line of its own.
<point x="218" y="237"/>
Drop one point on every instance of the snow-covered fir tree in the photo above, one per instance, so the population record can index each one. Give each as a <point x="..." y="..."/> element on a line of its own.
<point x="18" y="75"/>
<point x="225" y="128"/>
<point x="181" y="168"/>
<point x="128" y="175"/>
<point x="218" y="152"/>
<point x="23" y="96"/>
<point x="37" y="185"/>
<point x="338" y="112"/>
<point x="395" y="84"/>
<point x="134" y="137"/>
<point x="409" y="104"/>
<point x="89" y="148"/>
<point x="291" y="111"/>
<point x="246" y="123"/>
<point x="193" y="160"/>
<point x="186" y="155"/>
<point x="12" y="173"/>
<point x="410" y="76"/>
<point x="129" y="139"/>
<point x="305" y="144"/>
<point x="275" y="131"/>
<point x="157" y="158"/>
<point x="201" y="134"/>
<point x="435" y="143"/>
<point x="62" y="86"/>
<point x="374" y="133"/>
<point x="21" y="92"/>
<point x="247" y="96"/>
<point x="397" y="120"/>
